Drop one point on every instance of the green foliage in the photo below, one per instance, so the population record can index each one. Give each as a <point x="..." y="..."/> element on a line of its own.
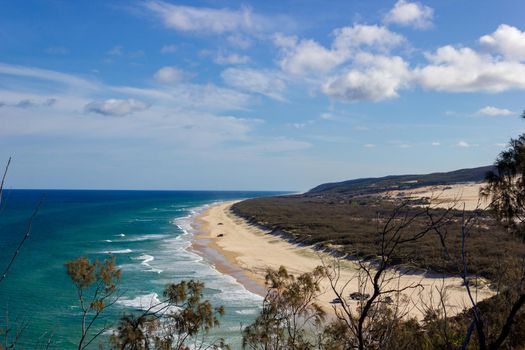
<point x="96" y="284"/>
<point x="182" y="321"/>
<point x="290" y="316"/>
<point x="85" y="274"/>
<point x="506" y="186"/>
<point x="348" y="226"/>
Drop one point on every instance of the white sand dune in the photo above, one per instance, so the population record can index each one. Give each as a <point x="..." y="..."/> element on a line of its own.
<point x="444" y="196"/>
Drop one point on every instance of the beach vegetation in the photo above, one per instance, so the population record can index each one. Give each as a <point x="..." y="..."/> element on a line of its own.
<point x="506" y="186"/>
<point x="291" y="317"/>
<point x="96" y="284"/>
<point x="181" y="321"/>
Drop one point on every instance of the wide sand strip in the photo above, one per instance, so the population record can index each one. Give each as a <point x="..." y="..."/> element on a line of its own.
<point x="245" y="252"/>
<point x="460" y="196"/>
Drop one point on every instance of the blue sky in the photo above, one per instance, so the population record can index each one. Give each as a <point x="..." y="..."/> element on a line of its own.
<point x="262" y="95"/>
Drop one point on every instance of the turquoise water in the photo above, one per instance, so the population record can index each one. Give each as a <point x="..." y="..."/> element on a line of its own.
<point x="148" y="231"/>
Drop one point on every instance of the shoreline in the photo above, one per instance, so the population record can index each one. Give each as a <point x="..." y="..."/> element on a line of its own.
<point x="207" y="247"/>
<point x="244" y="252"/>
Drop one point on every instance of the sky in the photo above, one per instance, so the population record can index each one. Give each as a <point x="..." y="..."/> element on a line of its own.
<point x="260" y="95"/>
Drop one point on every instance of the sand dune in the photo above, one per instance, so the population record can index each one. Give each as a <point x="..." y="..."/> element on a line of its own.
<point x="444" y="196"/>
<point x="245" y="252"/>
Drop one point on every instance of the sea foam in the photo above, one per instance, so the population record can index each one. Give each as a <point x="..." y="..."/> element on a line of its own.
<point x="149" y="302"/>
<point x="118" y="251"/>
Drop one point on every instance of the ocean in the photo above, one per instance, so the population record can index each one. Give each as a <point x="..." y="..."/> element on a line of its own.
<point x="149" y="232"/>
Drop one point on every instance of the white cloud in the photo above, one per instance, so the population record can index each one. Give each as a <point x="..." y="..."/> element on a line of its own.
<point x="373" y="74"/>
<point x="239" y="41"/>
<point x="168" y="75"/>
<point x="506" y="40"/>
<point x="327" y="116"/>
<point x="201" y="97"/>
<point x="307" y="56"/>
<point x="376" y="78"/>
<point x="168" y="48"/>
<point x="232" y="58"/>
<point x="412" y="14"/>
<point x="494" y="111"/>
<point x="115" y="107"/>
<point x="184" y="118"/>
<point x="255" y="81"/>
<point x="465" y="70"/>
<point x="203" y="19"/>
<point x="371" y="36"/>
<point x="369" y="145"/>
<point x="463" y="144"/>
<point x="435" y="144"/>
<point x="49" y="75"/>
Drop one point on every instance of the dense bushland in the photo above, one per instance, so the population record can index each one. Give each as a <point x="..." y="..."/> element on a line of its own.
<point x="349" y="226"/>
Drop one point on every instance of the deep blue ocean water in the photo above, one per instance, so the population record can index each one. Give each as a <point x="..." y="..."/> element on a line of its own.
<point x="148" y="231"/>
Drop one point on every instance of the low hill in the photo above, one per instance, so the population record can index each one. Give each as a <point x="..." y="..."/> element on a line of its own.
<point x="401" y="182"/>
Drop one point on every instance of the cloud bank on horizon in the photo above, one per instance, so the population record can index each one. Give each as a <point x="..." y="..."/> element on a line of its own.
<point x="278" y="98"/>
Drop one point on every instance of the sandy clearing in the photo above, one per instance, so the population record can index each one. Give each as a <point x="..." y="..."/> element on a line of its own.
<point x="443" y="196"/>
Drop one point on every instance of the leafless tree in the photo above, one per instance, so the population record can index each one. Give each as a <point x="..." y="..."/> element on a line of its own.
<point x="370" y="324"/>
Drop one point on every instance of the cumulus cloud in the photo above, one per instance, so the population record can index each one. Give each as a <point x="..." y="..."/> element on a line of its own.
<point x="255" y="81"/>
<point x="373" y="73"/>
<point x="361" y="35"/>
<point x="466" y="70"/>
<point x="203" y="19"/>
<point x="463" y="144"/>
<point x="307" y="56"/>
<point x="436" y="144"/>
<point x="506" y="40"/>
<point x="168" y="75"/>
<point x="414" y="14"/>
<point x="494" y="111"/>
<point x="375" y="78"/>
<point x="115" y="107"/>
<point x="369" y="145"/>
<point x="232" y="58"/>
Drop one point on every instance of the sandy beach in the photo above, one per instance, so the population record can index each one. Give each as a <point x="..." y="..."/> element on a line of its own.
<point x="245" y="252"/>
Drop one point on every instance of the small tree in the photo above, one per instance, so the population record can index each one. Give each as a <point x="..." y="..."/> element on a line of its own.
<point x="96" y="283"/>
<point x="290" y="313"/>
<point x="378" y="316"/>
<point x="182" y="318"/>
<point x="506" y="186"/>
